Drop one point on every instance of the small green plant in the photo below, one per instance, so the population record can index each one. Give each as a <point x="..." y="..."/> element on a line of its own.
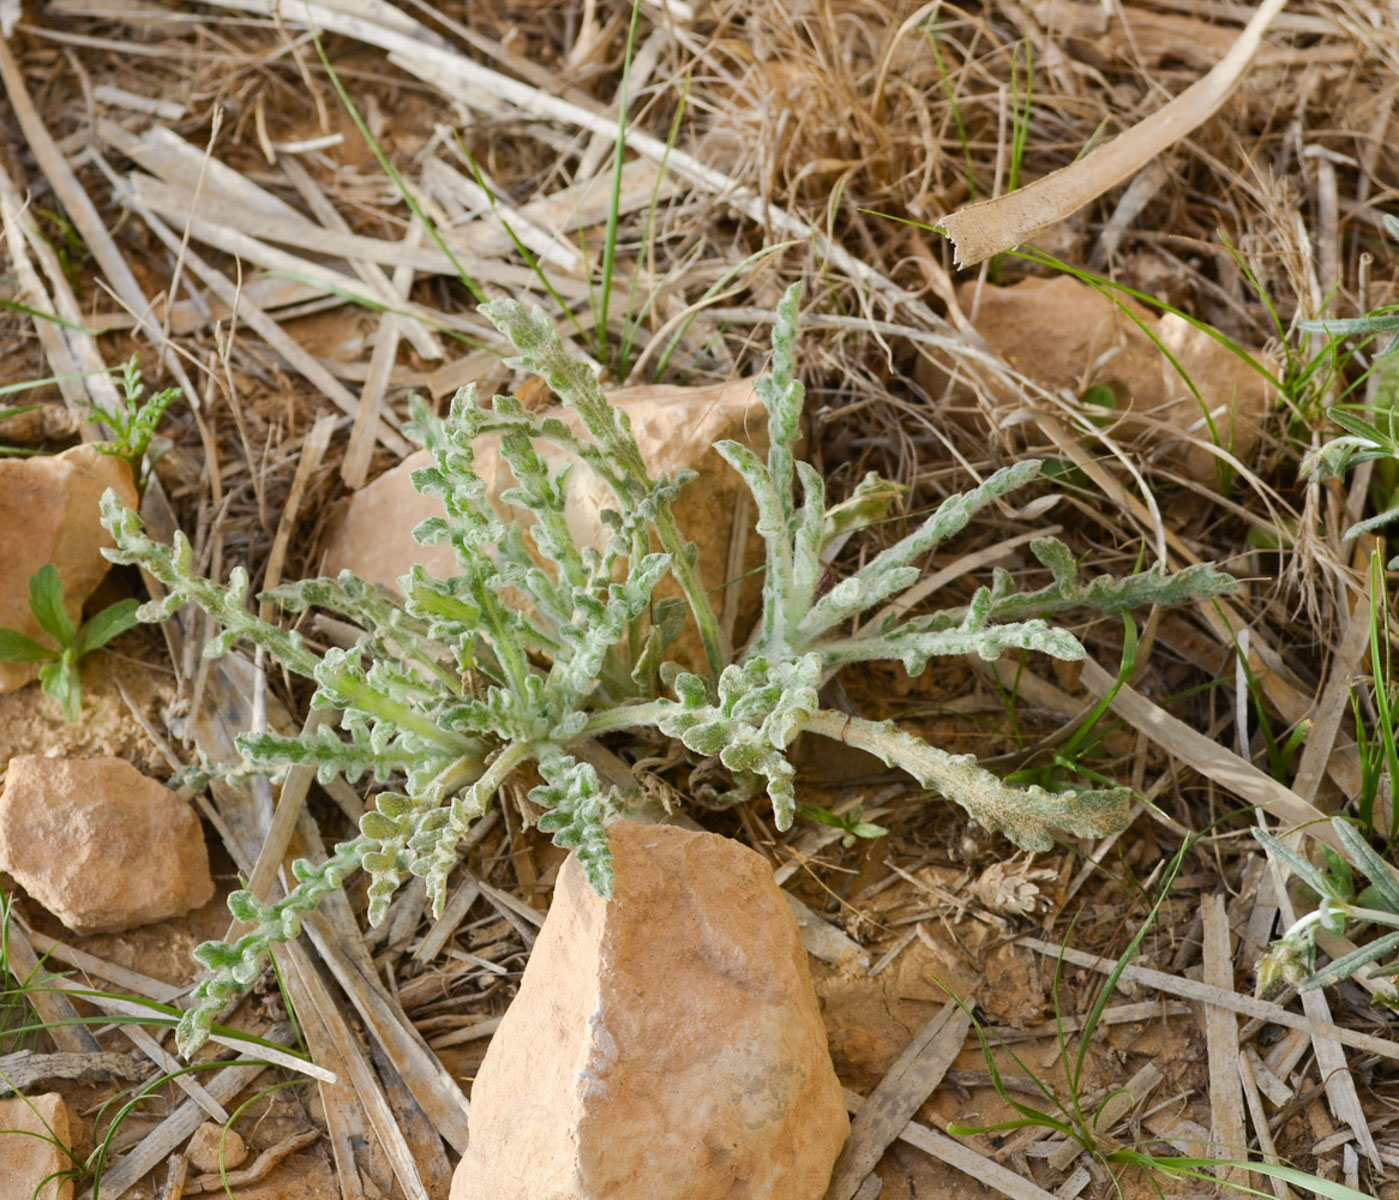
<point x="1365" y="440"/>
<point x="132" y="421"/>
<point x="852" y="824"/>
<point x="540" y="644"/>
<point x="1341" y="907"/>
<point x="59" y="674"/>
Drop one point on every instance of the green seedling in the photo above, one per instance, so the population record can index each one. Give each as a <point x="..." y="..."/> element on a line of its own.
<point x="852" y="823"/>
<point x="59" y="674"/>
<point x="1340" y="909"/>
<point x="131" y="422"/>
<point x="540" y="644"/>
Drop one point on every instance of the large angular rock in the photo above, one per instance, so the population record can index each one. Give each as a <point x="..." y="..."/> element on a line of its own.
<point x="28" y="1129"/>
<point x="664" y="1045"/>
<point x="1067" y="336"/>
<point x="49" y="514"/>
<point x="675" y="428"/>
<point x="100" y="845"/>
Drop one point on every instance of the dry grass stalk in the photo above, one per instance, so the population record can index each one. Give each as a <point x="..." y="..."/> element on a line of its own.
<point x="1222" y="1044"/>
<point x="962" y="1157"/>
<point x="994" y="226"/>
<point x="887" y="1110"/>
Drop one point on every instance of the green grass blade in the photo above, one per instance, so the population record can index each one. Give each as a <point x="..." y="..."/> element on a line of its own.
<point x="388" y="168"/>
<point x="956" y="110"/>
<point x="1197" y="1168"/>
<point x="1363" y="855"/>
<point x="609" y="245"/>
<point x="1095" y="1014"/>
<point x="524" y="251"/>
<point x="631" y="325"/>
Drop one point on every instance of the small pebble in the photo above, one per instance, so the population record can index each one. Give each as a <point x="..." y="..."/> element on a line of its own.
<point x="203" y="1149"/>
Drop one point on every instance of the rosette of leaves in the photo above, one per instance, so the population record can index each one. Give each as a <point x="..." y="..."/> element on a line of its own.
<point x="538" y="644"/>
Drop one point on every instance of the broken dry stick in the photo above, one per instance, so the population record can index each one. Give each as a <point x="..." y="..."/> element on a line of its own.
<point x="979" y="231"/>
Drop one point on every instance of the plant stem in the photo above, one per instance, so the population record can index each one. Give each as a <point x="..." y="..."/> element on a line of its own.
<point x="628" y="716"/>
<point x="690" y="583"/>
<point x="387" y="709"/>
<point x="495" y="774"/>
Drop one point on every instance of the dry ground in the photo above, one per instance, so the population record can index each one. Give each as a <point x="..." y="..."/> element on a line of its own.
<point x="164" y="161"/>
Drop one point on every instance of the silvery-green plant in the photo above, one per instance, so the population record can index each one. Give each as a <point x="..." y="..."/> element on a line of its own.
<point x="1363" y="441"/>
<point x="1341" y="907"/>
<point x="539" y="644"/>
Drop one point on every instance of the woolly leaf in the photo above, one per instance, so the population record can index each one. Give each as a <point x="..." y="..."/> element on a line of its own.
<point x="577" y="809"/>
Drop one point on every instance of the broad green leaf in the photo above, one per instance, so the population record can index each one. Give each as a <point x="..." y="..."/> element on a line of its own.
<point x="865" y="829"/>
<point x="1300" y="866"/>
<point x="60" y="680"/>
<point x="15" y="647"/>
<point x="1360" y="427"/>
<point x="1376" y="870"/>
<point x="106" y="625"/>
<point x="46" y="603"/>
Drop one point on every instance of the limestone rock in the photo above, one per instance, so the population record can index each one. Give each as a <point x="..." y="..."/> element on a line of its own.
<point x="100" y="845"/>
<point x="46" y="422"/>
<point x="664" y="1045"/>
<point x="675" y="428"/>
<point x="203" y="1148"/>
<point x="27" y="1156"/>
<point x="1066" y="336"/>
<point x="48" y="513"/>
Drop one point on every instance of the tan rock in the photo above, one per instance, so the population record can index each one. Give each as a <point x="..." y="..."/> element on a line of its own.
<point x="664" y="1045"/>
<point x="1067" y="336"/>
<point x="44" y="423"/>
<point x="29" y="1126"/>
<point x="203" y="1148"/>
<point x="100" y="845"/>
<point x="48" y="513"/>
<point x="675" y="428"/>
